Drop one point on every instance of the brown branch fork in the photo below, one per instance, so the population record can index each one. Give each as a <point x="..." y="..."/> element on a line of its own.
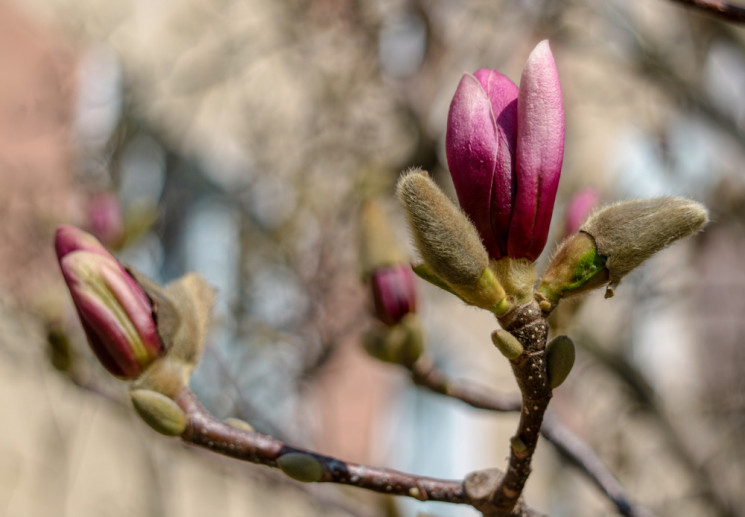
<point x="492" y="492"/>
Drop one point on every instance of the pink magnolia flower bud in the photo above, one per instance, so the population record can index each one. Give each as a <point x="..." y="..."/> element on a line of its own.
<point x="579" y="209"/>
<point x="394" y="292"/>
<point x="105" y="218"/>
<point x="505" y="146"/>
<point x="116" y="315"/>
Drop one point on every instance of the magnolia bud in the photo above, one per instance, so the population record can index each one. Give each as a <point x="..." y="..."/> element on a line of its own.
<point x="105" y="218"/>
<point x="116" y="315"/>
<point x="448" y="242"/>
<point x="629" y="232"/>
<point x="394" y="292"/>
<point x="614" y="241"/>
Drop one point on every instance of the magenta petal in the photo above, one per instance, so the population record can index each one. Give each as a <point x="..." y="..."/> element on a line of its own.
<point x="471" y="146"/>
<point x="540" y="151"/>
<point x="502" y="93"/>
<point x="138" y="307"/>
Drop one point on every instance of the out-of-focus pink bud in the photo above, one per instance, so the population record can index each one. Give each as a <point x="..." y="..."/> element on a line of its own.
<point x="505" y="146"/>
<point x="394" y="292"/>
<point x="579" y="209"/>
<point x="105" y="218"/>
<point x="115" y="313"/>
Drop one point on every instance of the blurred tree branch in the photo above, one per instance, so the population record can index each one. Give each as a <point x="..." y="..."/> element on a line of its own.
<point x="722" y="10"/>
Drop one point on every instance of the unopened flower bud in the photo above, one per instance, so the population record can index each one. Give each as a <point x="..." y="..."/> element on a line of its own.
<point x="394" y="292"/>
<point x="115" y="313"/>
<point x="105" y="218"/>
<point x="614" y="241"/>
<point x="504" y="148"/>
<point x="448" y="242"/>
<point x="629" y="232"/>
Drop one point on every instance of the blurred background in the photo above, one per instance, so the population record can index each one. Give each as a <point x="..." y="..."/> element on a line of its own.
<point x="237" y="138"/>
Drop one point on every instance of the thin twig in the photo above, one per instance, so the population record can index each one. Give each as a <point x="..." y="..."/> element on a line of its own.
<point x="722" y="10"/>
<point x="426" y="374"/>
<point x="206" y="431"/>
<point x="528" y="325"/>
<point x="571" y="447"/>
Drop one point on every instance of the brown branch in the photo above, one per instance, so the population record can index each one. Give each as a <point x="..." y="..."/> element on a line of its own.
<point x="717" y="8"/>
<point x="528" y="325"/>
<point x="206" y="431"/>
<point x="426" y="374"/>
<point x="570" y="446"/>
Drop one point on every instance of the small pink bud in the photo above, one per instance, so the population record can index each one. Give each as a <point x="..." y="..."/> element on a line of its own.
<point x="579" y="209"/>
<point x="505" y="147"/>
<point x="115" y="313"/>
<point x="394" y="292"/>
<point x="105" y="218"/>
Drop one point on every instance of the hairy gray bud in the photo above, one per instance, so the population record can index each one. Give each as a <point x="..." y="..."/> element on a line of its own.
<point x="447" y="241"/>
<point x="629" y="232"/>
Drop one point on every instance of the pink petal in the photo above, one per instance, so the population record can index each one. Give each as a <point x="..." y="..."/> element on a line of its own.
<point x="540" y="151"/>
<point x="471" y="146"/>
<point x="502" y="93"/>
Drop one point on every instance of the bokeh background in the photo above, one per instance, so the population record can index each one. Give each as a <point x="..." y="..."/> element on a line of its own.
<point x="237" y="138"/>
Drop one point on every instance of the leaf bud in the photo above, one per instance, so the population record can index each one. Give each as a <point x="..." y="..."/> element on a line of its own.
<point x="301" y="466"/>
<point x="159" y="412"/>
<point x="508" y="344"/>
<point x="559" y="359"/>
<point x="237" y="423"/>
